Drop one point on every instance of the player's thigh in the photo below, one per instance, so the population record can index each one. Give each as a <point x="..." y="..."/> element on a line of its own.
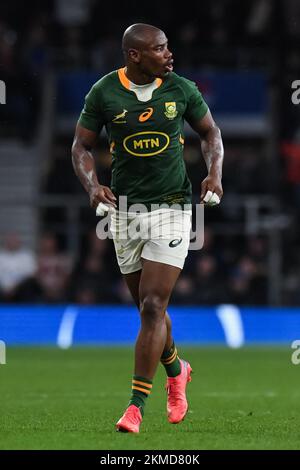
<point x="157" y="281"/>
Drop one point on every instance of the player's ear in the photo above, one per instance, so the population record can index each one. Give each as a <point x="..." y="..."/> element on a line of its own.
<point x="134" y="55"/>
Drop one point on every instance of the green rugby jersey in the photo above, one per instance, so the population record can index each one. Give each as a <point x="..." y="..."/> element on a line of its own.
<point x="146" y="137"/>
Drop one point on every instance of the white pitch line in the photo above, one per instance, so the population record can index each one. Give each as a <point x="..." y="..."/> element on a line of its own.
<point x="231" y="321"/>
<point x="66" y="328"/>
<point x="2" y="352"/>
<point x="267" y="394"/>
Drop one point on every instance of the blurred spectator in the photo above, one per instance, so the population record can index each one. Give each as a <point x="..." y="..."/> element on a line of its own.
<point x="247" y="284"/>
<point x="72" y="12"/>
<point x="85" y="295"/>
<point x="94" y="275"/>
<point x="8" y="39"/>
<point x="257" y="249"/>
<point x="290" y="287"/>
<point x="17" y="263"/>
<point x="209" y="286"/>
<point x="292" y="18"/>
<point x="54" y="269"/>
<point x="36" y="49"/>
<point x="72" y="54"/>
<point x="291" y="152"/>
<point x="259" y="17"/>
<point x="96" y="246"/>
<point x="122" y="293"/>
<point x="184" y="291"/>
<point x="106" y="54"/>
<point x="22" y="66"/>
<point x="91" y="281"/>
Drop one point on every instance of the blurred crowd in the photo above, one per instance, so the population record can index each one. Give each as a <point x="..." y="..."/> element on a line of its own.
<point x="218" y="273"/>
<point x="36" y="37"/>
<point x="229" y="269"/>
<point x="77" y="33"/>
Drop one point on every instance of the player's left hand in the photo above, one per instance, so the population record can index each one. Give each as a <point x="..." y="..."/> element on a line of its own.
<point x="211" y="190"/>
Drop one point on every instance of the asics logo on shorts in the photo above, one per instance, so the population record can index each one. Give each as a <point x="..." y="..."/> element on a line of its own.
<point x="175" y="242"/>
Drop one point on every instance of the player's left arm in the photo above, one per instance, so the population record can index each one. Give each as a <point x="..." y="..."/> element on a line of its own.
<point x="213" y="153"/>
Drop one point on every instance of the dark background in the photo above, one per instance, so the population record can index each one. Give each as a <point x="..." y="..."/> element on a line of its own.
<point x="244" y="57"/>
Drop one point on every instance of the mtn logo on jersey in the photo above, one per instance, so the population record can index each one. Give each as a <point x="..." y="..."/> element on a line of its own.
<point x="146" y="144"/>
<point x="171" y="111"/>
<point x="119" y="118"/>
<point x="146" y="115"/>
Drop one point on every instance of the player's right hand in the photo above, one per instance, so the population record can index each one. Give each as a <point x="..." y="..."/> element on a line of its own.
<point x="102" y="194"/>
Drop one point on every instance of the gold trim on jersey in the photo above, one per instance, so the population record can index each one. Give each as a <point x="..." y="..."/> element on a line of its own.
<point x="125" y="82"/>
<point x="123" y="79"/>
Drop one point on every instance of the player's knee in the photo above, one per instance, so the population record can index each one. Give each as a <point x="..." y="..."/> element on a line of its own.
<point x="153" y="308"/>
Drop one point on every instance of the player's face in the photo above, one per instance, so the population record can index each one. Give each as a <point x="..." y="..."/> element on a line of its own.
<point x="156" y="59"/>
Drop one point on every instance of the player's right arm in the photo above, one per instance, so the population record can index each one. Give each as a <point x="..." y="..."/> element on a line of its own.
<point x="84" y="167"/>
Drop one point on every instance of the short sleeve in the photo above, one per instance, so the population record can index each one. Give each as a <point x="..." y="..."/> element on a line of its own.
<point x="196" y="106"/>
<point x="91" y="116"/>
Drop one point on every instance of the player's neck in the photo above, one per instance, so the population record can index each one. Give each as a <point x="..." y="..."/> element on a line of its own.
<point x="138" y="78"/>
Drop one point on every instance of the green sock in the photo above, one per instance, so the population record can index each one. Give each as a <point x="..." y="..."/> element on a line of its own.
<point x="141" y="388"/>
<point x="171" y="362"/>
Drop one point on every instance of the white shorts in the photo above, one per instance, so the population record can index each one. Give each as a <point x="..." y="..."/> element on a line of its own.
<point x="162" y="235"/>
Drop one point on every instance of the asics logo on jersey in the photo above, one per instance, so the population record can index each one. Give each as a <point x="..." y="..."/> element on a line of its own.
<point x="175" y="242"/>
<point x="119" y="118"/>
<point x="146" y="115"/>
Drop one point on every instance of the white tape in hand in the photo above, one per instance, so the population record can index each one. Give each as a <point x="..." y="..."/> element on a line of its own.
<point x="211" y="199"/>
<point x="102" y="209"/>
